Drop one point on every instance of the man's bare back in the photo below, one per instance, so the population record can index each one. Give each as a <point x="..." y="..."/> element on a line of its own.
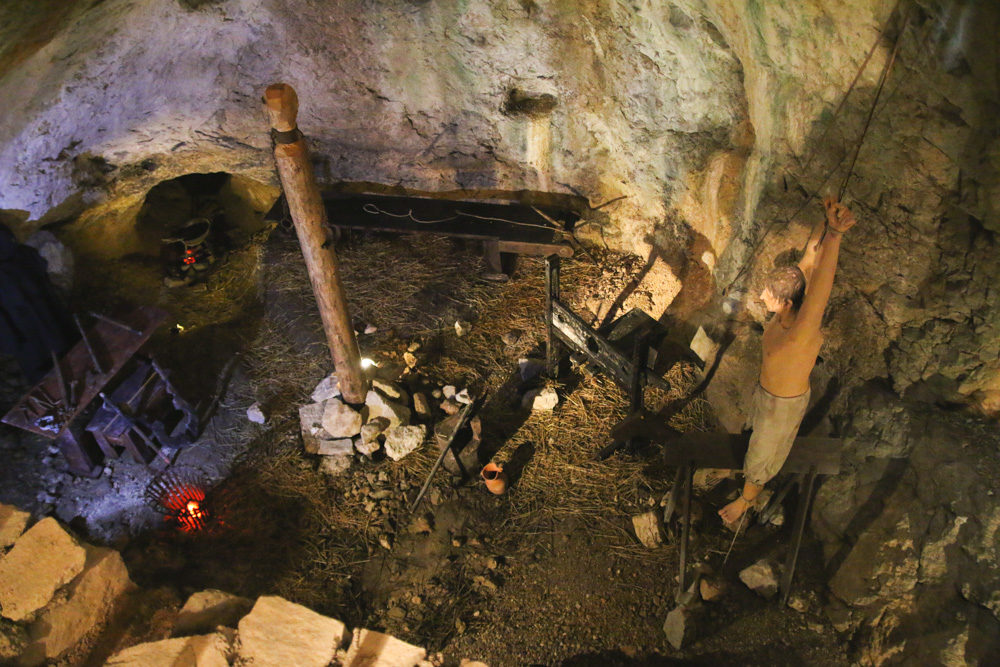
<point x="788" y="358"/>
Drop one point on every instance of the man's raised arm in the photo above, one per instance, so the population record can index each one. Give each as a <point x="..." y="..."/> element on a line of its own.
<point x="839" y="219"/>
<point x="807" y="264"/>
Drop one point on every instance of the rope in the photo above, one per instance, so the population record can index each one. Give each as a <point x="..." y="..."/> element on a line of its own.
<point x="372" y="209"/>
<point x="735" y="535"/>
<point x="850" y="89"/>
<point x="871" y="112"/>
<point x="812" y="195"/>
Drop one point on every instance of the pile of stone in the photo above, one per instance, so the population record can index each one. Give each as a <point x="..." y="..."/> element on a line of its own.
<point x="215" y="628"/>
<point x="388" y="422"/>
<point x="56" y="592"/>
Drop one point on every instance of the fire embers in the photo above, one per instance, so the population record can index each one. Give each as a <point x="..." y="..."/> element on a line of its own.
<point x="188" y="253"/>
<point x="180" y="495"/>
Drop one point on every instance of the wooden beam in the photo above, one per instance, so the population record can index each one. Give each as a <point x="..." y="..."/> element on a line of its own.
<point x="309" y="217"/>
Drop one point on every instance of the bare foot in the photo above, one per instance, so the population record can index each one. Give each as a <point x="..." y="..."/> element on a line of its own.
<point x="732" y="512"/>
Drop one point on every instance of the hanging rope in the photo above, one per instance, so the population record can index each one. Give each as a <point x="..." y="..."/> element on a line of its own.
<point x="850" y="89"/>
<point x="871" y="112"/>
<point x="372" y="209"/>
<point x="812" y="195"/>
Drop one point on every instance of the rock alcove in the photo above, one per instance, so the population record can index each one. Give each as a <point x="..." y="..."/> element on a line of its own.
<point x="695" y="136"/>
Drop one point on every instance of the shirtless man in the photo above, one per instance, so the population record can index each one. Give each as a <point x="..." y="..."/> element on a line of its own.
<point x="797" y="295"/>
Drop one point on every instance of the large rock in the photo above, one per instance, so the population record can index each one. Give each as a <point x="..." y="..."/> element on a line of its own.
<point x="90" y="601"/>
<point x="374" y="649"/>
<point x="341" y="420"/>
<point x="311" y="425"/>
<point x="649" y="529"/>
<point x="910" y="531"/>
<point x="401" y="440"/>
<point x="199" y="651"/>
<point x="328" y="387"/>
<point x="278" y="632"/>
<point x="761" y="578"/>
<point x="12" y="523"/>
<point x="368" y="443"/>
<point x="206" y="610"/>
<point x="381" y="406"/>
<point x="58" y="258"/>
<point x="42" y="561"/>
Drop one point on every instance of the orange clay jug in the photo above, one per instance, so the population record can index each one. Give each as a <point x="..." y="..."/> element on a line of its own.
<point x="495" y="478"/>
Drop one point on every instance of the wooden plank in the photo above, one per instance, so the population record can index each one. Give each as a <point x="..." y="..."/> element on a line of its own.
<point x="726" y="450"/>
<point x="537" y="249"/>
<point x="109" y="342"/>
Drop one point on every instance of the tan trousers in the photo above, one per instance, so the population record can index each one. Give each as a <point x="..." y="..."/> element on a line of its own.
<point x="775" y="421"/>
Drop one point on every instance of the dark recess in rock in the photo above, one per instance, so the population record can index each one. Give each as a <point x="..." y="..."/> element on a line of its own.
<point x="523" y="103"/>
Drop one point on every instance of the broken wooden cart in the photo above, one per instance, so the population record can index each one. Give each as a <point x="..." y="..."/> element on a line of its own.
<point x="143" y="415"/>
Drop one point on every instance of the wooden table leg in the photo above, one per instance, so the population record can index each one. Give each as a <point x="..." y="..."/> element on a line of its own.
<point x="552" y="346"/>
<point x="805" y="498"/>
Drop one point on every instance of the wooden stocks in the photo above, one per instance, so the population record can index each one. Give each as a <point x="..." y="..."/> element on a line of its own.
<point x="309" y="217"/>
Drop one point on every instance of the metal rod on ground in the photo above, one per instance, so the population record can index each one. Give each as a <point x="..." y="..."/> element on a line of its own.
<point x="462" y="416"/>
<point x="675" y="493"/>
<point x="309" y="217"/>
<point x="86" y="342"/>
<point x="800" y="526"/>
<point x="114" y="322"/>
<point x="686" y="526"/>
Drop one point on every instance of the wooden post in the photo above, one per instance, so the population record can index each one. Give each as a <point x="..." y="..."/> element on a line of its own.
<point x="309" y="217"/>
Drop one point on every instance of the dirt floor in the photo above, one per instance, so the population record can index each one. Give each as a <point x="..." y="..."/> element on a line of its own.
<point x="549" y="573"/>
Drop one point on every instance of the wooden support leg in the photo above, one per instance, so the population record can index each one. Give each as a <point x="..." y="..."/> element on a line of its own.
<point x="552" y="346"/>
<point x="309" y="217"/>
<point x="640" y="352"/>
<point x="805" y="499"/>
<point x="675" y="494"/>
<point x="491" y="255"/>
<point x="83" y="457"/>
<point x="685" y="529"/>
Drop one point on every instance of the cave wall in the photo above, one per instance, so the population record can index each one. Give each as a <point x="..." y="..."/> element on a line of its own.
<point x="705" y="125"/>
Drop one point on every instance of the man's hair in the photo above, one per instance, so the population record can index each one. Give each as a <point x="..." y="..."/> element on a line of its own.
<point x="788" y="284"/>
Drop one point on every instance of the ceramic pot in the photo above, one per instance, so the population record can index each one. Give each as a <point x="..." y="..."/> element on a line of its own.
<point x="495" y="478"/>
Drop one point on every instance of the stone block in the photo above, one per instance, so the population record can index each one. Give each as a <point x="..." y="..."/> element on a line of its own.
<point x="338" y="447"/>
<point x="199" y="651"/>
<point x="90" y="601"/>
<point x="761" y="578"/>
<point x="374" y="649"/>
<point x="649" y="529"/>
<point x="401" y="440"/>
<point x="680" y="625"/>
<point x="391" y="390"/>
<point x="278" y="632"/>
<point x="206" y="610"/>
<point x="328" y="387"/>
<point x="41" y="561"/>
<point x="381" y="406"/>
<point x="341" y="420"/>
<point x="703" y="345"/>
<point x="311" y="424"/>
<point x="12" y="524"/>
<point x="421" y="405"/>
